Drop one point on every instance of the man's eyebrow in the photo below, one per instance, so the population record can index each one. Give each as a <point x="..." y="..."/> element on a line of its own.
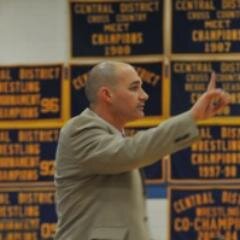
<point x="136" y="82"/>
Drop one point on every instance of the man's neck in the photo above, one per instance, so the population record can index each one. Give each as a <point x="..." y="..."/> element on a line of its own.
<point x="108" y="117"/>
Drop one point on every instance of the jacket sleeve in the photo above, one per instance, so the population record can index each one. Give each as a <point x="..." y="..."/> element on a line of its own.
<point x="99" y="152"/>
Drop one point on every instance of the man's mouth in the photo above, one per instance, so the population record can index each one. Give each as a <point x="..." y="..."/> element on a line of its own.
<point x="141" y="107"/>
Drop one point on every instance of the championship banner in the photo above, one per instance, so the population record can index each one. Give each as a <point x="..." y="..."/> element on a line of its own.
<point x="116" y="28"/>
<point x="30" y="92"/>
<point x="214" y="158"/>
<point x="189" y="79"/>
<point x="150" y="73"/>
<point x="27" y="214"/>
<point x="27" y="155"/>
<point x="204" y="213"/>
<point x="210" y="26"/>
<point x="153" y="174"/>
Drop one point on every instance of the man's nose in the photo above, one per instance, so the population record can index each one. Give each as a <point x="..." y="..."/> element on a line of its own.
<point x="144" y="95"/>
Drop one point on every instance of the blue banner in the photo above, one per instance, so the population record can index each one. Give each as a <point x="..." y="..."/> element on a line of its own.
<point x="205" y="26"/>
<point x="31" y="92"/>
<point x="116" y="28"/>
<point x="204" y="213"/>
<point x="27" y="155"/>
<point x="215" y="157"/>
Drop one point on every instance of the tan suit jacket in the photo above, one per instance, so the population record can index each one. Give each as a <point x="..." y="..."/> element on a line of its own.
<point x="99" y="190"/>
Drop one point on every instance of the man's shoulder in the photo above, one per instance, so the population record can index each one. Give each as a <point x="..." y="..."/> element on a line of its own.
<point x="79" y="119"/>
<point x="86" y="116"/>
<point x="85" y="120"/>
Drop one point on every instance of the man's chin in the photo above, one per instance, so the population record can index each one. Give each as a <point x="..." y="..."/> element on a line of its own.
<point x="140" y="115"/>
<point x="136" y="116"/>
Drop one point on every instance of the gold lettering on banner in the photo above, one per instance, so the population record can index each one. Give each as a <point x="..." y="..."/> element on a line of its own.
<point x="50" y="105"/>
<point x="214" y="145"/>
<point x="5" y="75"/>
<point x="123" y="7"/>
<point x="36" y="198"/>
<point x="21" y="95"/>
<point x="96" y="8"/>
<point x="116" y="27"/>
<point x="134" y="17"/>
<point x="19" y="236"/>
<point x="230" y="197"/>
<point x="197" y="76"/>
<point x="193" y="201"/>
<point x="18" y="100"/>
<point x="117" y="50"/>
<point x="19" y="87"/>
<point x="20" y="158"/>
<point x="23" y="218"/>
<point x="16" y="211"/>
<point x="217" y="24"/>
<point x="215" y="30"/>
<point x="148" y="76"/>
<point x="117" y="38"/>
<point x="19" y="112"/>
<point x="18" y="175"/>
<point x="19" y="162"/>
<point x="19" y="149"/>
<point x="44" y="73"/>
<point x="48" y="230"/>
<point x="49" y="135"/>
<point x="4" y="198"/>
<point x="185" y="5"/>
<point x="80" y="81"/>
<point x="216" y="35"/>
<point x="209" y="220"/>
<point x="230" y="4"/>
<point x="103" y="18"/>
<point x="117" y="20"/>
<point x="228" y="14"/>
<point x="192" y="67"/>
<point x="194" y="15"/>
<point x="5" y="136"/>
<point x="19" y="224"/>
<point x="230" y="67"/>
<point x="219" y="157"/>
<point x="230" y="132"/>
<point x="47" y="168"/>
<point x="133" y="7"/>
<point x="215" y="224"/>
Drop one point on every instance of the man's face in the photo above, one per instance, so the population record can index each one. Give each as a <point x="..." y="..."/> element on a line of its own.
<point x="128" y="98"/>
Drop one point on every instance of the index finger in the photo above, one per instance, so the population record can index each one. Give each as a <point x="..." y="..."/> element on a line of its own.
<point x="212" y="83"/>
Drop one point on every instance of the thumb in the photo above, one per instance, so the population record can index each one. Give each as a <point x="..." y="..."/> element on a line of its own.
<point x="212" y="83"/>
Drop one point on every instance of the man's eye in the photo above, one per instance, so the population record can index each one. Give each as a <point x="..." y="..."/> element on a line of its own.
<point x="134" y="88"/>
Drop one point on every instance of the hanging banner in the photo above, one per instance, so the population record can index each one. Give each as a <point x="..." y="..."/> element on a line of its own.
<point x="150" y="73"/>
<point x="30" y="92"/>
<point x="116" y="28"/>
<point x="191" y="79"/>
<point x="204" y="213"/>
<point x="27" y="214"/>
<point x="214" y="158"/>
<point x="210" y="26"/>
<point x="27" y="155"/>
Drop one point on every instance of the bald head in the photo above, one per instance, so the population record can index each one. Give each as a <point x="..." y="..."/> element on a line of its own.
<point x="103" y="74"/>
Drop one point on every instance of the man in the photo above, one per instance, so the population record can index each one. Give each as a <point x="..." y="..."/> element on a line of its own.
<point x="99" y="189"/>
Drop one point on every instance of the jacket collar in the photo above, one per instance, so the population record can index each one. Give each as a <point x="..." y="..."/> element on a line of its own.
<point x="89" y="112"/>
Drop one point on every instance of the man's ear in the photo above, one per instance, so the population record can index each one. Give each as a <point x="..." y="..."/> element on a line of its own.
<point x="105" y="94"/>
